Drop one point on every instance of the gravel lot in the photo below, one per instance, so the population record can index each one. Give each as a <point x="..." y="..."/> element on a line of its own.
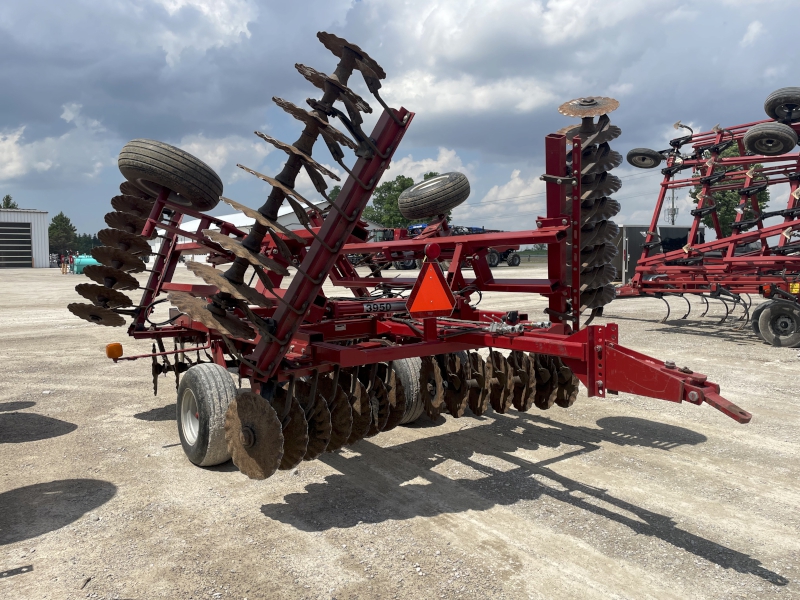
<point x="618" y="498"/>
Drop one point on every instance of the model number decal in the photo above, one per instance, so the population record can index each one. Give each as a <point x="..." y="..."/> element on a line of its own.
<point x="371" y="307"/>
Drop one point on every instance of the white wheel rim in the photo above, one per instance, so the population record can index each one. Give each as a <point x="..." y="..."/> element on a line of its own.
<point x="190" y="417"/>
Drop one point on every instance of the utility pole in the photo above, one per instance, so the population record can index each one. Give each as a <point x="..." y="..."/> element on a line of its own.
<point x="671" y="212"/>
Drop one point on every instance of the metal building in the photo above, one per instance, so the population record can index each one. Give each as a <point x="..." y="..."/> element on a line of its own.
<point x="24" y="239"/>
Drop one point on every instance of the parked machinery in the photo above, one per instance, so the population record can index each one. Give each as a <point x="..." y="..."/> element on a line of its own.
<point x="762" y="253"/>
<point x="326" y="371"/>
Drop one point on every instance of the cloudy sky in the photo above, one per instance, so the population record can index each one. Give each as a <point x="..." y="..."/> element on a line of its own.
<point x="80" y="78"/>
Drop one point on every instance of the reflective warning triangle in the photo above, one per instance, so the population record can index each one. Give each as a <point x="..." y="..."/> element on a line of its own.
<point x="431" y="297"/>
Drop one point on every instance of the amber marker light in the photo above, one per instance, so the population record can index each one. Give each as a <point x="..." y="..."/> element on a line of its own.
<point x="114" y="351"/>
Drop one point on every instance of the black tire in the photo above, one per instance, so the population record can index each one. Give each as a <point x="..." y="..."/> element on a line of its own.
<point x="644" y="158"/>
<point x="493" y="258"/>
<point x="783" y="104"/>
<point x="770" y="139"/>
<point x="407" y="370"/>
<point x="754" y="318"/>
<point x="513" y="259"/>
<point x="779" y="324"/>
<point x="434" y="196"/>
<point x="209" y="388"/>
<point x="151" y="165"/>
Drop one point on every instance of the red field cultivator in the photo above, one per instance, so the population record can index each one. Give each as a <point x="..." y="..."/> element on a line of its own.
<point x="762" y="253"/>
<point x="325" y="371"/>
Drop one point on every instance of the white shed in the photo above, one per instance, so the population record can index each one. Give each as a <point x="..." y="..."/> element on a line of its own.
<point x="24" y="240"/>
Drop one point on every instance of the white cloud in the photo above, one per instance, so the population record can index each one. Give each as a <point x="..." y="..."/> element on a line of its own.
<point x="225" y="22"/>
<point x="513" y="205"/>
<point x="446" y="161"/>
<point x="222" y="154"/>
<point x="80" y="153"/>
<point x="754" y="31"/>
<point x="423" y="92"/>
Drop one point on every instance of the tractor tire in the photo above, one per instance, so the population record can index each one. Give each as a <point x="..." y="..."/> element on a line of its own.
<point x="779" y="324"/>
<point x="755" y="316"/>
<point x="151" y="165"/>
<point x="493" y="258"/>
<point x="434" y="196"/>
<point x="783" y="104"/>
<point x="644" y="158"/>
<point x="204" y="393"/>
<point x="407" y="370"/>
<point x="513" y="259"/>
<point x="770" y="139"/>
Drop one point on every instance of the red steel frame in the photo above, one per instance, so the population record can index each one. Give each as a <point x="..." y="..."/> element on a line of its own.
<point x="316" y="333"/>
<point x="691" y="271"/>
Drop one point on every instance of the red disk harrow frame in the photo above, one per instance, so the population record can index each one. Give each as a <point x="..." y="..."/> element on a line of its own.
<point x="301" y="349"/>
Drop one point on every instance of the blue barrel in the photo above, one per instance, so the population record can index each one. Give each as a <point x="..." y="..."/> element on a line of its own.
<point x="82" y="261"/>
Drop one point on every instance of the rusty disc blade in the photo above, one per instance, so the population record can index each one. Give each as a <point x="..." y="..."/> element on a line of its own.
<point x="590" y="106"/>
<point x="253" y="434"/>
<point x="478" y="390"/>
<point x="318" y="418"/>
<point x="337" y="45"/>
<point x="126" y="188"/>
<point x="294" y="427"/>
<point x="430" y="387"/>
<point x="359" y="405"/>
<point x="602" y="133"/>
<point x="196" y="309"/>
<point x="133" y="205"/>
<point x="396" y="394"/>
<point x="568" y="385"/>
<point x="292" y="151"/>
<point x="129" y="242"/>
<point x="214" y="277"/>
<point x="379" y="400"/>
<point x="126" y="222"/>
<point x="96" y="314"/>
<point x="501" y="384"/>
<point x="118" y="259"/>
<point x="307" y="117"/>
<point x="522" y="393"/>
<point x="257" y="260"/>
<point x="111" y="277"/>
<point x="100" y="295"/>
<point x="341" y="413"/>
<point x="320" y="79"/>
<point x="546" y="381"/>
<point x="456" y="395"/>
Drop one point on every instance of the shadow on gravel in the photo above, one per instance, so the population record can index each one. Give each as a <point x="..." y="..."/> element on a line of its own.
<point x="380" y="483"/>
<point x="33" y="510"/>
<point x="9" y="406"/>
<point x="726" y="331"/>
<point x="17" y="427"/>
<point x="165" y="413"/>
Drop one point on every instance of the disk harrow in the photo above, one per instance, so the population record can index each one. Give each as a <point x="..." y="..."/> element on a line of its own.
<point x="326" y="372"/>
<point x="761" y="255"/>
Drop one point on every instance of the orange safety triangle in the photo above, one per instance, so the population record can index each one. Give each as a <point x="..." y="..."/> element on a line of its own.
<point x="431" y="297"/>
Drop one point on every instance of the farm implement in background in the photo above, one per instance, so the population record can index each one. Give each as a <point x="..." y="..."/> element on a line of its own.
<point x="326" y="371"/>
<point x="761" y="255"/>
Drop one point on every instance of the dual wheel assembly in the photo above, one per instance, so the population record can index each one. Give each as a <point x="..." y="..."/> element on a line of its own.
<point x="306" y="417"/>
<point x="777" y="322"/>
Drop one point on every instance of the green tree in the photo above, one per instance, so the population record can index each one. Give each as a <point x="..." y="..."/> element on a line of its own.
<point x="84" y="243"/>
<point x="727" y="201"/>
<point x="62" y="234"/>
<point x="384" y="209"/>
<point x="334" y="193"/>
<point x="8" y="202"/>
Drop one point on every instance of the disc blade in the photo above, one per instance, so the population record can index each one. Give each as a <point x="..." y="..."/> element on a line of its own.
<point x="456" y="395"/>
<point x="396" y="394"/>
<point x="379" y="399"/>
<point x="294" y="427"/>
<point x="258" y="260"/>
<point x="129" y="242"/>
<point x="523" y="391"/>
<point x="253" y="435"/>
<point x="195" y="309"/>
<point x="320" y="79"/>
<point x="501" y="387"/>
<point x="110" y="277"/>
<point x="546" y="381"/>
<point x="100" y="295"/>
<point x="96" y="314"/>
<point x="478" y="392"/>
<point x="568" y="385"/>
<point x="133" y="205"/>
<point x="126" y="222"/>
<point x="430" y="387"/>
<point x="242" y="291"/>
<point x="359" y="405"/>
<point x="118" y="259"/>
<point x="341" y="413"/>
<point x="318" y="418"/>
<point x="127" y="188"/>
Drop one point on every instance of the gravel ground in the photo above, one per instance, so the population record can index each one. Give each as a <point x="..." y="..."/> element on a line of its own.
<point x="624" y="497"/>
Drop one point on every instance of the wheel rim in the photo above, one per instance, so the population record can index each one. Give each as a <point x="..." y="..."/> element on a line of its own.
<point x="783" y="325"/>
<point x="788" y="109"/>
<point x="644" y="161"/>
<point x="190" y="417"/>
<point x="767" y="145"/>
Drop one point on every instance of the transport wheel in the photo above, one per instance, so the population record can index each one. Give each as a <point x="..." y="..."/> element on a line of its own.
<point x="408" y="370"/>
<point x="755" y="316"/>
<point x="779" y="324"/>
<point x="204" y="393"/>
<point x="151" y="165"/>
<point x="409" y="265"/>
<point x="434" y="196"/>
<point x="493" y="258"/>
<point x="770" y="139"/>
<point x="783" y="104"/>
<point x="644" y="158"/>
<point x="513" y="259"/>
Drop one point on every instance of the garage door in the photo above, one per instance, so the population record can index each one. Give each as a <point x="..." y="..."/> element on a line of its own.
<point x="16" y="249"/>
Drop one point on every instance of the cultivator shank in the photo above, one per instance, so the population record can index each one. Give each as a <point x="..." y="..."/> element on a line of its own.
<point x="327" y="371"/>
